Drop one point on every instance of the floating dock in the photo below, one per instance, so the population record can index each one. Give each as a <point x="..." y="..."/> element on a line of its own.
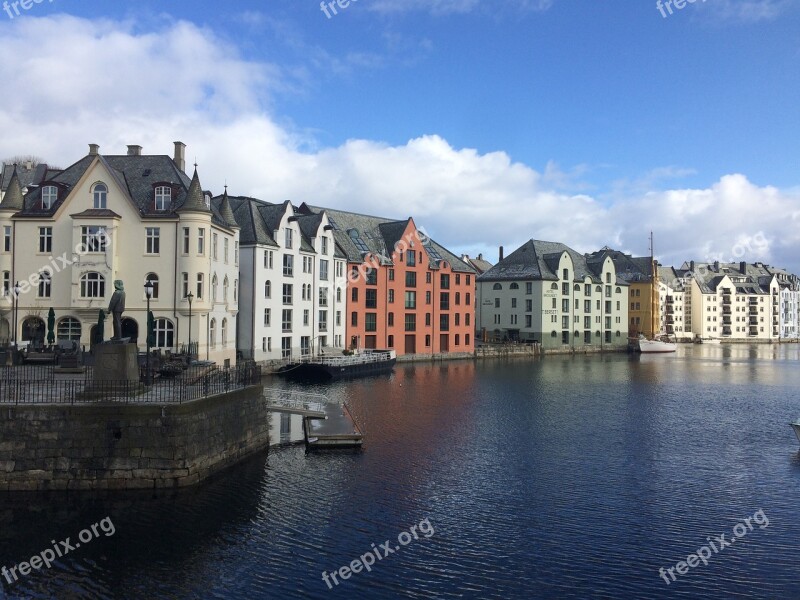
<point x="336" y="430"/>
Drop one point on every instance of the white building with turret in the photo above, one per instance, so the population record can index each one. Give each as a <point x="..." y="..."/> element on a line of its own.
<point x="71" y="233"/>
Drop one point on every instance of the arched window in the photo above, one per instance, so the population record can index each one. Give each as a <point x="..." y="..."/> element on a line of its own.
<point x="45" y="284"/>
<point x="224" y="332"/>
<point x="49" y="196"/>
<point x="163" y="197"/>
<point x="553" y="334"/>
<point x="212" y="333"/>
<point x="69" y="328"/>
<point x="618" y="290"/>
<point x="100" y="195"/>
<point x="93" y="285"/>
<point x="554" y="286"/>
<point x="235" y="290"/>
<point x="214" y="288"/>
<point x="577" y="287"/>
<point x="153" y="279"/>
<point x="268" y="289"/>
<point x="497" y="286"/>
<point x="338" y="294"/>
<point x="514" y="286"/>
<point x="165" y="333"/>
<point x="225" y="289"/>
<point x="599" y="288"/>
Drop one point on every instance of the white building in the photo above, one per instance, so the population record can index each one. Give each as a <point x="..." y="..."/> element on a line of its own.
<point x="292" y="298"/>
<point x="120" y="217"/>
<point x="549" y="293"/>
<point x="672" y="300"/>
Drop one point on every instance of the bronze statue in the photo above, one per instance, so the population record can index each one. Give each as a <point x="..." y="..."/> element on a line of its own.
<point x="117" y="307"/>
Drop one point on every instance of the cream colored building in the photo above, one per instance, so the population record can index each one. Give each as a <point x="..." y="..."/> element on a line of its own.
<point x="131" y="217"/>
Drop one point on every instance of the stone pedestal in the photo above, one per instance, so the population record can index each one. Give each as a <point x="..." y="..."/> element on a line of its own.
<point x="116" y="363"/>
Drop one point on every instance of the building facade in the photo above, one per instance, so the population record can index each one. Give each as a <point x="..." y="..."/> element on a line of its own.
<point x="71" y="234"/>
<point x="548" y="293"/>
<point x="405" y="292"/>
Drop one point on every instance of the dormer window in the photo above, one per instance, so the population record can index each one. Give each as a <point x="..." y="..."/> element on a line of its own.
<point x="100" y="195"/>
<point x="163" y="197"/>
<point x="49" y="196"/>
<point x="208" y="200"/>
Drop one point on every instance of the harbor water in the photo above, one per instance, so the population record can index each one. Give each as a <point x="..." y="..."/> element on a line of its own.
<point x="558" y="477"/>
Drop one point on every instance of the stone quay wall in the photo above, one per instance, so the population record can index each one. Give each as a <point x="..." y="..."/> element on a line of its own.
<point x="110" y="446"/>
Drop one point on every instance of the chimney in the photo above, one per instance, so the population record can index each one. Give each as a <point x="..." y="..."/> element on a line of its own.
<point x="180" y="156"/>
<point x="134" y="150"/>
<point x="501" y="254"/>
<point x="716" y="266"/>
<point x="94" y="149"/>
<point x="480" y="256"/>
<point x="743" y="267"/>
<point x="691" y="266"/>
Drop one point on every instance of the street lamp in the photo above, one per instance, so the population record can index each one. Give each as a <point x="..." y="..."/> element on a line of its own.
<point x="190" y="297"/>
<point x="148" y="292"/>
<point x="17" y="290"/>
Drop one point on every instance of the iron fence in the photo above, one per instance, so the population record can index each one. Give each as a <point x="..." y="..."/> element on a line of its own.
<point x="194" y="384"/>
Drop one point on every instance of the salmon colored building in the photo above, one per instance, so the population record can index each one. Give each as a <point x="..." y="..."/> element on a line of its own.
<point x="404" y="292"/>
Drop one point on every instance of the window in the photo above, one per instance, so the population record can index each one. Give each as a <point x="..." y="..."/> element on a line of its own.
<point x="428" y="297"/>
<point x="445" y="282"/>
<point x="224" y="332"/>
<point x="338" y="318"/>
<point x="323" y="270"/>
<point x="93" y="239"/>
<point x="225" y="289"/>
<point x="411" y="258"/>
<point x="458" y="319"/>
<point x="6" y="289"/>
<point x="390" y="343"/>
<point x="411" y="299"/>
<point x="287" y="293"/>
<point x="153" y="235"/>
<point x="371" y="276"/>
<point x="324" y="245"/>
<point x="268" y="259"/>
<point x="354" y="319"/>
<point x="214" y="243"/>
<point x="497" y="302"/>
<point x="444" y="322"/>
<point x="6" y="238"/>
<point x="288" y="264"/>
<point x="428" y="277"/>
<point x="565" y="305"/>
<point x="371" y="299"/>
<point x="528" y="321"/>
<point x="307" y="263"/>
<point x="45" y="239"/>
<point x="323" y="320"/>
<point x="514" y="302"/>
<point x="427" y="319"/>
<point x="45" y="284"/>
<point x="458" y="299"/>
<point x="267" y="289"/>
<point x="49" y="196"/>
<point x="390" y="321"/>
<point x="444" y="301"/>
<point x="354" y="295"/>
<point x="497" y="287"/>
<point x="236" y="253"/>
<point x="565" y="289"/>
<point x="201" y="241"/>
<point x="212" y="333"/>
<point x="467" y="319"/>
<point x="391" y="274"/>
<point x="100" y="195"/>
<point x="306" y="317"/>
<point x="391" y="296"/>
<point x="338" y="294"/>
<point x="153" y="279"/>
<point x="267" y="317"/>
<point x="286" y="319"/>
<point x="93" y="285"/>
<point x="286" y="347"/>
<point x="200" y="286"/>
<point x="185" y="285"/>
<point x="323" y="296"/>
<point x="186" y="240"/>
<point x="411" y="322"/>
<point x="288" y="238"/>
<point x="411" y="279"/>
<point x="371" y="322"/>
<point x="69" y="329"/>
<point x="163" y="197"/>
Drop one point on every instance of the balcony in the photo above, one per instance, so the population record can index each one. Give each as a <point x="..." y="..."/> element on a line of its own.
<point x="726" y="300"/>
<point x="670" y="319"/>
<point x="670" y="310"/>
<point x="754" y="310"/>
<point x="753" y="302"/>
<point x="726" y="310"/>
<point x="670" y="329"/>
<point x="753" y="321"/>
<point x="726" y="320"/>
<point x="753" y="330"/>
<point x="726" y="331"/>
<point x="670" y="299"/>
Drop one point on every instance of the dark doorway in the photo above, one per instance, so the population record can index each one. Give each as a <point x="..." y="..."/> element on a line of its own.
<point x="444" y="343"/>
<point x="411" y="344"/>
<point x="33" y="330"/>
<point x="130" y="329"/>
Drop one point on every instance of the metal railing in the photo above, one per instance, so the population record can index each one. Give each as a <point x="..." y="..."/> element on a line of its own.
<point x="356" y="359"/>
<point x="16" y="388"/>
<point x="295" y="399"/>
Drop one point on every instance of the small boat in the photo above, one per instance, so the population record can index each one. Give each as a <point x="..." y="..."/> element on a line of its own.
<point x="796" y="427"/>
<point x="368" y="362"/>
<point x="660" y="345"/>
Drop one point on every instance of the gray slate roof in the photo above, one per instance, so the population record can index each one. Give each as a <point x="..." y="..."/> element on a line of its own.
<point x="629" y="269"/>
<point x="13" y="197"/>
<point x="537" y="260"/>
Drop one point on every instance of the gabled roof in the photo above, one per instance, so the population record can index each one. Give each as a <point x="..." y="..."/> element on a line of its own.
<point x="194" y="200"/>
<point x="538" y="260"/>
<point x="223" y="207"/>
<point x="630" y="269"/>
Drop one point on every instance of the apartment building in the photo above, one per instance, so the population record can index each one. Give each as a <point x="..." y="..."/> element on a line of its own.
<point x="674" y="317"/>
<point x="68" y="234"/>
<point x="548" y="293"/>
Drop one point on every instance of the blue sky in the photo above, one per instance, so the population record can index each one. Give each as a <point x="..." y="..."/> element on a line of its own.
<point x="490" y="122"/>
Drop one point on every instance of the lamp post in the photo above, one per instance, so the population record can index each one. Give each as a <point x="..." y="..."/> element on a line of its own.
<point x="17" y="290"/>
<point x="190" y="297"/>
<point x="148" y="292"/>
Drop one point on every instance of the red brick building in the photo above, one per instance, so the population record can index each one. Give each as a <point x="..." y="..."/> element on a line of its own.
<point x="405" y="292"/>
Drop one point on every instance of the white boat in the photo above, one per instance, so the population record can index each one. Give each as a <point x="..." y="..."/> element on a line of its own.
<point x="656" y="346"/>
<point x="796" y="427"/>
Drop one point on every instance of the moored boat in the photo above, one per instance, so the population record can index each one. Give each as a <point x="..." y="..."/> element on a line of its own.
<point x="660" y="345"/>
<point x="796" y="427"/>
<point x="368" y="362"/>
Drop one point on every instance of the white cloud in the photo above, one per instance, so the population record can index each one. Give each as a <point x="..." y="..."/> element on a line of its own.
<point x="449" y="7"/>
<point x="123" y="87"/>
<point x="747" y="11"/>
